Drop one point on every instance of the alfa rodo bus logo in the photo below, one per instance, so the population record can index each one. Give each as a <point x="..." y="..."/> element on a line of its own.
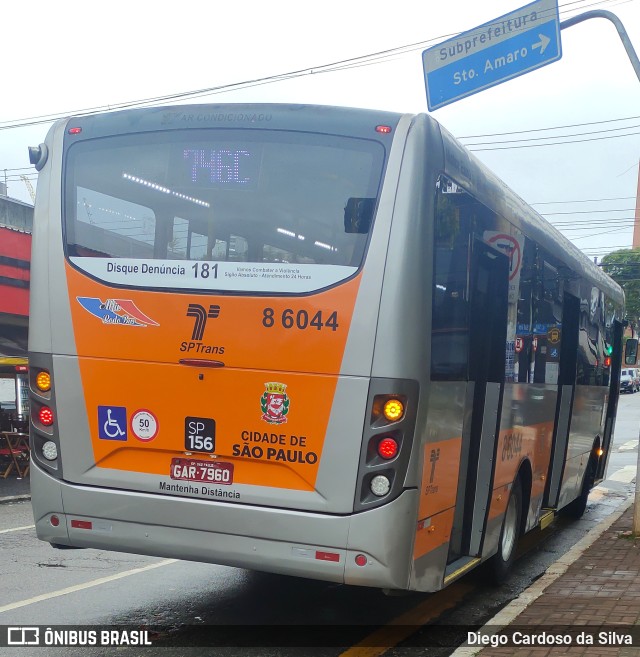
<point x="275" y="403"/>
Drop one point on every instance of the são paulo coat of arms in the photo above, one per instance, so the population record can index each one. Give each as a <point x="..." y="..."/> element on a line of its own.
<point x="274" y="403"/>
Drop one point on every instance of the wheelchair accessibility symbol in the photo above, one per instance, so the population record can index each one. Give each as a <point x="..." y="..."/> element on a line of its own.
<point x="112" y="422"/>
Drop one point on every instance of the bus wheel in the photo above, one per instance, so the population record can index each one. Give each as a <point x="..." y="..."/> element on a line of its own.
<point x="500" y="563"/>
<point x="577" y="508"/>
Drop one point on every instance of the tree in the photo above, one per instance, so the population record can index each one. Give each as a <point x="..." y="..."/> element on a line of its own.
<point x="624" y="267"/>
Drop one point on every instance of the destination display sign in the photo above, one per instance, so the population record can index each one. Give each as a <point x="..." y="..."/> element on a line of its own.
<point x="504" y="48"/>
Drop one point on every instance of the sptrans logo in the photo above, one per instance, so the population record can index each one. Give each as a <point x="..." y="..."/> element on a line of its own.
<point x="201" y="315"/>
<point x="275" y="403"/>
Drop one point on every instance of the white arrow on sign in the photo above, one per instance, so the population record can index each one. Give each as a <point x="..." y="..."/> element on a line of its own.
<point x="543" y="43"/>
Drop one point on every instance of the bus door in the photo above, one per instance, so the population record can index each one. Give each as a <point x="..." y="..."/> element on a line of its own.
<point x="566" y="390"/>
<point x="488" y="304"/>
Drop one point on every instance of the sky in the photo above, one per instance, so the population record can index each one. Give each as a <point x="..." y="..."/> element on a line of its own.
<point x="65" y="57"/>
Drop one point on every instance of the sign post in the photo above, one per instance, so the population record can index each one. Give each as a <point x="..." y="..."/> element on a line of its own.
<point x="504" y="48"/>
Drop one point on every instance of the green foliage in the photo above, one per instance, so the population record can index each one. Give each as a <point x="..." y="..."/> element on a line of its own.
<point x="624" y="267"/>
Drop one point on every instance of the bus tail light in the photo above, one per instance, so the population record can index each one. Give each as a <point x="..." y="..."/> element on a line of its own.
<point x="393" y="410"/>
<point x="387" y="440"/>
<point x="380" y="485"/>
<point x="387" y="409"/>
<point x="44" y="438"/>
<point x="43" y="381"/>
<point x="388" y="448"/>
<point x="45" y="415"/>
<point x="50" y="450"/>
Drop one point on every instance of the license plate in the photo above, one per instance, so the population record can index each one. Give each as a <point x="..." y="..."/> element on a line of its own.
<point x="213" y="472"/>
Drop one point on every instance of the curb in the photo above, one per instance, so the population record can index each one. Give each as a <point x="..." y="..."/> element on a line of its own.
<point x="14" y="498"/>
<point x="509" y="613"/>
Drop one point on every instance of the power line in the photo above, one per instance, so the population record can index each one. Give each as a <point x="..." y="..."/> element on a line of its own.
<point x="558" y="127"/>
<point x="619" y="247"/>
<point x="372" y="58"/>
<point x="550" y="214"/>
<point x="557" y="143"/>
<point x="606" y="232"/>
<point x="585" y="231"/>
<point x="590" y="222"/>
<point x="17" y="169"/>
<point x="591" y="251"/>
<point x="585" y="227"/>
<point x="589" y="200"/>
<point x="566" y="136"/>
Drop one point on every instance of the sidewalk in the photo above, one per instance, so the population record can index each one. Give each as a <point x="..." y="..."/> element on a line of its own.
<point x="594" y="588"/>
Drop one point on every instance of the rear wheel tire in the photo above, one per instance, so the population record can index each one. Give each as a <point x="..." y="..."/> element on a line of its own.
<point x="577" y="508"/>
<point x="501" y="563"/>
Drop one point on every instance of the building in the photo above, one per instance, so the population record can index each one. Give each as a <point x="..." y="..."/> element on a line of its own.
<point x="16" y="222"/>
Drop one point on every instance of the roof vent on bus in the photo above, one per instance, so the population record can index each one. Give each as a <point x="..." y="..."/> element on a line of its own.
<point x="38" y="156"/>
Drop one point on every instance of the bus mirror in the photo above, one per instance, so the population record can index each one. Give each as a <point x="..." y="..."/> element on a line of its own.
<point x="358" y="215"/>
<point x="38" y="156"/>
<point x="631" y="351"/>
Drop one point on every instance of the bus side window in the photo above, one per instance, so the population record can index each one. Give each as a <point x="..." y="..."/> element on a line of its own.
<point x="588" y="347"/>
<point x="450" y="330"/>
<point x="460" y="218"/>
<point x="548" y="324"/>
<point x="631" y="351"/>
<point x="524" y="327"/>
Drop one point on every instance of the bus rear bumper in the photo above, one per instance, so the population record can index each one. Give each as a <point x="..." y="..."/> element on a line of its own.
<point x="304" y="544"/>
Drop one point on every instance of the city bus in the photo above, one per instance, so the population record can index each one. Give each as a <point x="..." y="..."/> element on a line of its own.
<point x="315" y="341"/>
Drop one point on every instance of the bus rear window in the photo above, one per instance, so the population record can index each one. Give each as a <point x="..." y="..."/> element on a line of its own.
<point x="256" y="208"/>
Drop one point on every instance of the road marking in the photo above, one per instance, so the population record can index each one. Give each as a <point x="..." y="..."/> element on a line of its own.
<point x="631" y="444"/>
<point x="626" y="475"/>
<point x="16" y="529"/>
<point x="86" y="585"/>
<point x="409" y="623"/>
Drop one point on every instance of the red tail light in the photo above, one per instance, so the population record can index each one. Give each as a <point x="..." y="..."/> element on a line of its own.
<point x="388" y="448"/>
<point x="46" y="416"/>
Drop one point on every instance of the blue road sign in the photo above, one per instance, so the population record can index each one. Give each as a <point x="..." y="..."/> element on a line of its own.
<point x="495" y="52"/>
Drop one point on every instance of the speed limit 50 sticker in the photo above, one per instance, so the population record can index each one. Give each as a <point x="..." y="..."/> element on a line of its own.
<point x="144" y="425"/>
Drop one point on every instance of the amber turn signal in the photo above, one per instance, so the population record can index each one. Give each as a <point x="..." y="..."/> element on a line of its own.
<point x="393" y="410"/>
<point x="43" y="381"/>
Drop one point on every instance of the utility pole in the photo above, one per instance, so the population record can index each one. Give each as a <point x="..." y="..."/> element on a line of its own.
<point x="636" y="223"/>
<point x="636" y="506"/>
<point x="622" y="33"/>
